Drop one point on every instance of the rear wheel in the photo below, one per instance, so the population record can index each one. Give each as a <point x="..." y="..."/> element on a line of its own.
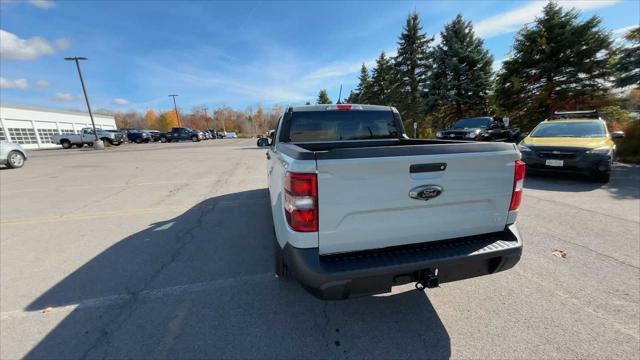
<point x="194" y="138"/>
<point x="280" y="268"/>
<point x="163" y="139"/>
<point x="66" y="144"/>
<point x="15" y="160"/>
<point x="603" y="176"/>
<point x="138" y="141"/>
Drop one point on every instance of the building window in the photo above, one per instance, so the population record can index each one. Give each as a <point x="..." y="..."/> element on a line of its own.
<point x="23" y="135"/>
<point x="66" y="131"/>
<point x="45" y="135"/>
<point x="2" y="137"/>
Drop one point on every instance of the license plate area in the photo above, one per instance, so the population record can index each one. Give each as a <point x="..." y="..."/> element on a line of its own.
<point x="555" y="163"/>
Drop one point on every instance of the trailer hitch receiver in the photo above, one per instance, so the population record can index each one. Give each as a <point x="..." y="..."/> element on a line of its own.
<point x="427" y="279"/>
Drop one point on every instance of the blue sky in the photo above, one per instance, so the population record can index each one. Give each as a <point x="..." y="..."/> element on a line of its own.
<point x="228" y="53"/>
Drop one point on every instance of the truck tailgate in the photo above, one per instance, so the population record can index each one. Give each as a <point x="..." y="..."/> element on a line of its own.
<point x="368" y="205"/>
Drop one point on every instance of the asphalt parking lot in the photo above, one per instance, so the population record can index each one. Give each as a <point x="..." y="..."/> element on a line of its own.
<point x="164" y="251"/>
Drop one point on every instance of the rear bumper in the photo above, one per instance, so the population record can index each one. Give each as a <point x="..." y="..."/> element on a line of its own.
<point x="343" y="276"/>
<point x="584" y="164"/>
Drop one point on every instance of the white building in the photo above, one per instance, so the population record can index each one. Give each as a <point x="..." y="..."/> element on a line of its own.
<point x="32" y="127"/>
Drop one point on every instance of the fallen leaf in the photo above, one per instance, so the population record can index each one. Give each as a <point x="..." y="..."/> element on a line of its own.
<point x="47" y="310"/>
<point x="559" y="253"/>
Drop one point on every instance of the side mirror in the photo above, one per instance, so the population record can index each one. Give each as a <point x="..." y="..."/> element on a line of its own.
<point x="505" y="121"/>
<point x="617" y="134"/>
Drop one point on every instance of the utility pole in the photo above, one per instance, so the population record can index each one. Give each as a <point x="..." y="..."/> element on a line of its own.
<point x="176" y="108"/>
<point x="206" y="116"/>
<point x="98" y="144"/>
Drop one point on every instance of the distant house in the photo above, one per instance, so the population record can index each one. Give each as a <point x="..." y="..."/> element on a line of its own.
<point x="33" y="127"/>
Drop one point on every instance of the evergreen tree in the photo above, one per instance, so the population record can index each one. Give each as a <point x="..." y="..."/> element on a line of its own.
<point x="412" y="66"/>
<point x="628" y="65"/>
<point x="362" y="94"/>
<point x="323" y="97"/>
<point x="383" y="85"/>
<point x="461" y="76"/>
<point x="559" y="63"/>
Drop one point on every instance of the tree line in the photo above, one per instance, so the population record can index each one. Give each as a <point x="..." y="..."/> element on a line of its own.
<point x="556" y="63"/>
<point x="252" y="121"/>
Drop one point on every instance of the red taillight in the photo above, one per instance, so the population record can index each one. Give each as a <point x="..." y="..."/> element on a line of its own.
<point x="518" y="184"/>
<point x="343" y="106"/>
<point x="301" y="201"/>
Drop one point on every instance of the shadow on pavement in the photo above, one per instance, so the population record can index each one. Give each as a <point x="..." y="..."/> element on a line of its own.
<point x="201" y="285"/>
<point x="624" y="183"/>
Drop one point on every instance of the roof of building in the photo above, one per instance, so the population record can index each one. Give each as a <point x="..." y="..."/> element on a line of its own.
<point x="70" y="112"/>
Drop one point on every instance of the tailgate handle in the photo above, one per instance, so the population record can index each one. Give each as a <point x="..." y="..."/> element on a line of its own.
<point x="421" y="168"/>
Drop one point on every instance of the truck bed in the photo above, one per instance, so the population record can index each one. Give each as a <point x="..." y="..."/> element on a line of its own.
<point x="385" y="148"/>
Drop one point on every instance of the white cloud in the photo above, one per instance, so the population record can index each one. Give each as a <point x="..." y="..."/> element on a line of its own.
<point x="42" y="84"/>
<point x="42" y="4"/>
<point x="120" y="101"/>
<point x="512" y="20"/>
<point x="623" y="30"/>
<point x="14" y="48"/>
<point x="63" y="43"/>
<point x="13" y="84"/>
<point x="64" y="97"/>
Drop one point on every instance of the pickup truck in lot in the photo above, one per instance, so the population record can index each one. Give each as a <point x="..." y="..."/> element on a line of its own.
<point x="86" y="137"/>
<point x="358" y="207"/>
<point x="178" y="134"/>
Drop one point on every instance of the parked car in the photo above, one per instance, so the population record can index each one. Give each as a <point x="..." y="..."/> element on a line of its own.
<point x="86" y="137"/>
<point x="485" y="128"/>
<point x="138" y="136"/>
<point x="571" y="142"/>
<point x="394" y="210"/>
<point x="231" y="135"/>
<point x="12" y="155"/>
<point x="155" y="134"/>
<point x="179" y="134"/>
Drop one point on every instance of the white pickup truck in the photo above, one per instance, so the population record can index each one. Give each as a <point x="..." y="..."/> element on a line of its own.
<point x="86" y="137"/>
<point x="358" y="207"/>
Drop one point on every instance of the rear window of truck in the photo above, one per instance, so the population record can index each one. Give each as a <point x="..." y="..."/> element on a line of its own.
<point x="342" y="125"/>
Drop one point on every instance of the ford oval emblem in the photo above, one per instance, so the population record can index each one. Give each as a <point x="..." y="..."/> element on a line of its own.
<point x="425" y="192"/>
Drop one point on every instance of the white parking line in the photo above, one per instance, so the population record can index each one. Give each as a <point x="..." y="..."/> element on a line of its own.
<point x="145" y="294"/>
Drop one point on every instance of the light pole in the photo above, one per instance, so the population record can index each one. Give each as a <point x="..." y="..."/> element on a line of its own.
<point x="176" y="108"/>
<point x="206" y="116"/>
<point x="98" y="144"/>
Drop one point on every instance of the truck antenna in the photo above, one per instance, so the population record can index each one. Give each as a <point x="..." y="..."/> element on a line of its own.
<point x="339" y="95"/>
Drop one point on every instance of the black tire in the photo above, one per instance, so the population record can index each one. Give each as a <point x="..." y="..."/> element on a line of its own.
<point x="194" y="138"/>
<point x="66" y="144"/>
<point x="79" y="145"/>
<point x="603" y="176"/>
<point x="138" y="141"/>
<point x="15" y="160"/>
<point x="116" y="143"/>
<point x="164" y="139"/>
<point x="146" y="141"/>
<point x="107" y="141"/>
<point x="280" y="268"/>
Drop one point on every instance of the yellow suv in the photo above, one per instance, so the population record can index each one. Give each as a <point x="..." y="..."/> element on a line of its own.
<point x="575" y="141"/>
